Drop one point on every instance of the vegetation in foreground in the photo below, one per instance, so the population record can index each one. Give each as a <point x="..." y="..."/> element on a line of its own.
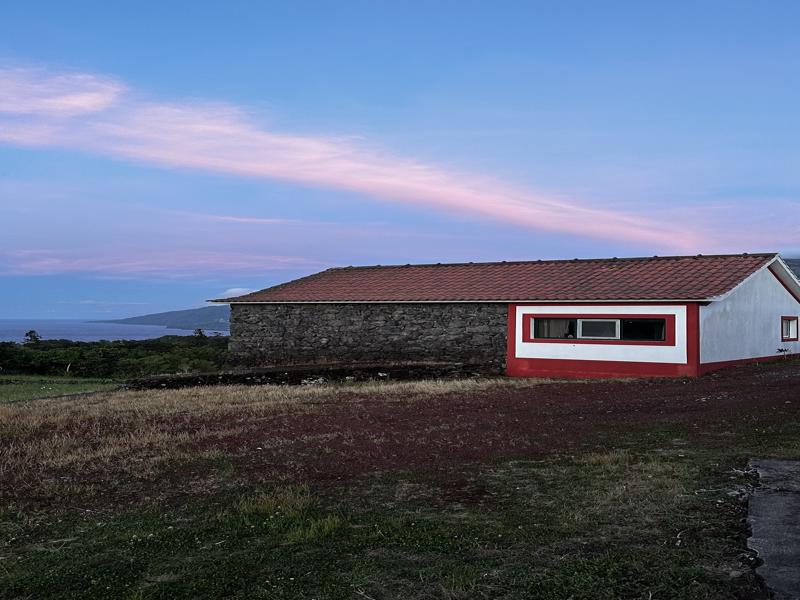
<point x="122" y="359"/>
<point x="227" y="492"/>
<point x="15" y="388"/>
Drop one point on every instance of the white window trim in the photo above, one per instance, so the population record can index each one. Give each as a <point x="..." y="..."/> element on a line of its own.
<point x="617" y="329"/>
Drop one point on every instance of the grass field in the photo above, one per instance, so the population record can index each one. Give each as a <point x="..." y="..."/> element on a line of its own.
<point x="461" y="489"/>
<point x="14" y="388"/>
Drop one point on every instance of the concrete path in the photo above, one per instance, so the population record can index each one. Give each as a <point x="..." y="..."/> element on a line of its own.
<point x="774" y="518"/>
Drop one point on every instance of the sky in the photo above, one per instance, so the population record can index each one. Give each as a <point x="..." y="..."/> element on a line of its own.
<point x="154" y="155"/>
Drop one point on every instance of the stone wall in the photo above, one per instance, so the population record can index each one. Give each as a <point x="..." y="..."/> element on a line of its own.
<point x="292" y="334"/>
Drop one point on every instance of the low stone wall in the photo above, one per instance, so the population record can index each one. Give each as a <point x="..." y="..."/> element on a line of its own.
<point x="302" y="334"/>
<point x="317" y="374"/>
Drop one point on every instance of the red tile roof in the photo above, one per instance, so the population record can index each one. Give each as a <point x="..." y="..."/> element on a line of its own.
<point x="657" y="278"/>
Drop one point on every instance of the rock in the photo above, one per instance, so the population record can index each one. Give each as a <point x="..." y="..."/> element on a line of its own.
<point x="286" y="334"/>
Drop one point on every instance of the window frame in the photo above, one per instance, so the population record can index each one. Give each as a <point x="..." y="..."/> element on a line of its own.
<point x="796" y="321"/>
<point x="669" y="329"/>
<point x="567" y="318"/>
<point x="617" y="329"/>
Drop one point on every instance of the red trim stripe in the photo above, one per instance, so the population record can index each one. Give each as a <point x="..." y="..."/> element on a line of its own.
<point x="708" y="367"/>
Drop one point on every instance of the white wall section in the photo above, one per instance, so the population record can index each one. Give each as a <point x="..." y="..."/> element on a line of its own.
<point x="612" y="352"/>
<point x="747" y="323"/>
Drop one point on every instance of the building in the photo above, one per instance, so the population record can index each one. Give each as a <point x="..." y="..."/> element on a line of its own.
<point x="657" y="316"/>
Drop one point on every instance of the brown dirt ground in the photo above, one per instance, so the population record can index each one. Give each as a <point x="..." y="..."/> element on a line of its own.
<point x="352" y="434"/>
<point x="343" y="441"/>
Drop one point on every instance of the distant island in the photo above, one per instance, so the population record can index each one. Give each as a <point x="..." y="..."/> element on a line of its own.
<point x="209" y="318"/>
<point x="217" y="318"/>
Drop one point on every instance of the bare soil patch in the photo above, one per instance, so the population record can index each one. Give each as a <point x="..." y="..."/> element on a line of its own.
<point x="471" y="488"/>
<point x="328" y="433"/>
<point x="367" y="435"/>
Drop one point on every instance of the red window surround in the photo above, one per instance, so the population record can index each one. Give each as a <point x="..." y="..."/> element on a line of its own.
<point x="796" y="329"/>
<point x="538" y="367"/>
<point x="669" y="333"/>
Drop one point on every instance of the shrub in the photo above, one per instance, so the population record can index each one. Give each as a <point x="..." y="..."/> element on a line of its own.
<point x="121" y="359"/>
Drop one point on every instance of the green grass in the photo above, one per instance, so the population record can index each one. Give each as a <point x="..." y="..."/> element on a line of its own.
<point x="652" y="512"/>
<point x="651" y="517"/>
<point x="16" y="388"/>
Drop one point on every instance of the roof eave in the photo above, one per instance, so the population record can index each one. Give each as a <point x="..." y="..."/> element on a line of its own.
<point x="486" y="301"/>
<point x="766" y="265"/>
<point x="786" y="277"/>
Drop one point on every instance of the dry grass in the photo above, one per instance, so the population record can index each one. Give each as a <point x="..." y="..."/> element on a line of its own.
<point x="244" y="400"/>
<point x="138" y="433"/>
<point x="292" y="502"/>
<point x="453" y="490"/>
<point x="639" y="486"/>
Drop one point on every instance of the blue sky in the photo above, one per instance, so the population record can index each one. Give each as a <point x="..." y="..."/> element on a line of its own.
<point x="155" y="155"/>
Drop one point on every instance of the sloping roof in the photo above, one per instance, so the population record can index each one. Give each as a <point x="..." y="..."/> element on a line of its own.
<point x="654" y="278"/>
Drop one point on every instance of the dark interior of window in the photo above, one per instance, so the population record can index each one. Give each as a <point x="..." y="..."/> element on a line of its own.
<point x="599" y="329"/>
<point x="555" y="329"/>
<point x="644" y="329"/>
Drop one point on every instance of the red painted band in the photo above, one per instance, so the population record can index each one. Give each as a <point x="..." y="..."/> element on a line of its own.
<point x="708" y="367"/>
<point x="590" y="369"/>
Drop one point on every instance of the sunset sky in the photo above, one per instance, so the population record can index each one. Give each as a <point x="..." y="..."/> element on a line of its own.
<point x="154" y="155"/>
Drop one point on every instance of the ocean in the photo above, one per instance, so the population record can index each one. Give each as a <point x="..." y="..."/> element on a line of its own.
<point x="13" y="330"/>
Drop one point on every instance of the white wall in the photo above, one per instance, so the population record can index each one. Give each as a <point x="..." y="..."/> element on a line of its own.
<point x="616" y="352"/>
<point x="747" y="324"/>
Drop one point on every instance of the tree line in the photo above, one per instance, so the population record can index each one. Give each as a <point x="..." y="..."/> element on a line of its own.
<point x="123" y="359"/>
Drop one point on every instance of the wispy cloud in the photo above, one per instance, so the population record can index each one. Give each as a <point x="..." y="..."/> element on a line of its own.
<point x="235" y="291"/>
<point x="99" y="114"/>
<point x="36" y="92"/>
<point x="154" y="264"/>
<point x="250" y="220"/>
<point x="361" y="229"/>
<point x="246" y="220"/>
<point x="103" y="303"/>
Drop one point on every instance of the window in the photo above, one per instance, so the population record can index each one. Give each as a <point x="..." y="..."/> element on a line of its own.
<point x="628" y="329"/>
<point x="653" y="330"/>
<point x="555" y="329"/>
<point x="789" y="329"/>
<point x="598" y="329"/>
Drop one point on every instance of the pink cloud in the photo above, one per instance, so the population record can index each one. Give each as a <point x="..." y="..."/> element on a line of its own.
<point x="36" y="92"/>
<point x="96" y="114"/>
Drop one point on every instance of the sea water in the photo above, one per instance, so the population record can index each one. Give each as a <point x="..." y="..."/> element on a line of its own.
<point x="13" y="330"/>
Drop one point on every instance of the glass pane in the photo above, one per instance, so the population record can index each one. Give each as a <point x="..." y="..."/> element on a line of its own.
<point x="644" y="329"/>
<point x="599" y="329"/>
<point x="558" y="329"/>
<point x="789" y="329"/>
